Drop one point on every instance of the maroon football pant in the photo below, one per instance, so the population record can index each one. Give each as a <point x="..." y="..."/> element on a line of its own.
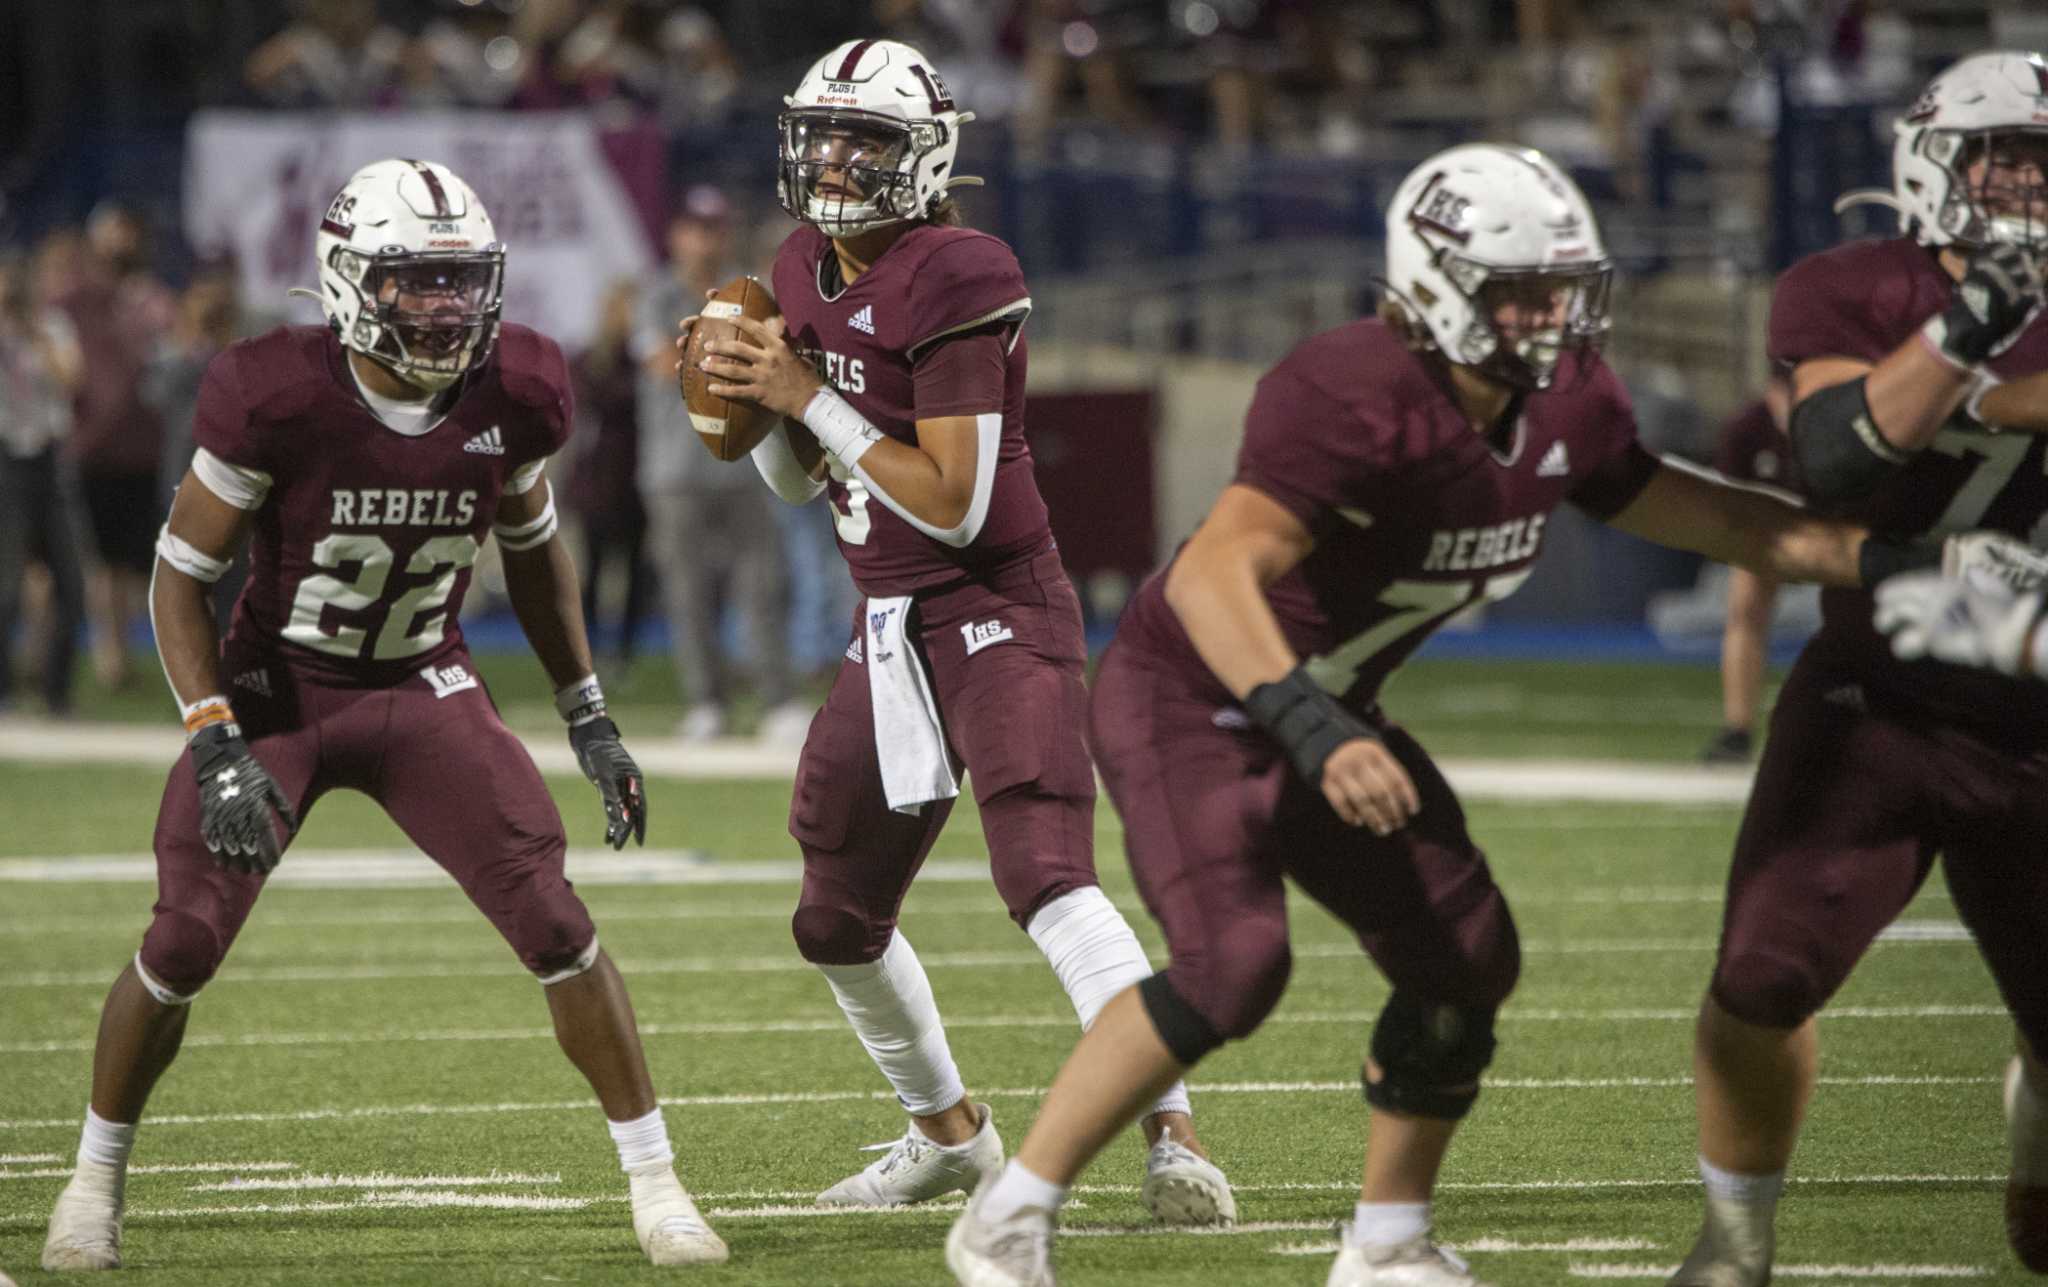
<point x="1216" y="819"/>
<point x="1013" y="711"/>
<point x="445" y="768"/>
<point x="1856" y="795"/>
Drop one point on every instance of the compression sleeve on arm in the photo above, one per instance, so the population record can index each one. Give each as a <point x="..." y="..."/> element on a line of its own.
<point x="1842" y="456"/>
<point x="781" y="470"/>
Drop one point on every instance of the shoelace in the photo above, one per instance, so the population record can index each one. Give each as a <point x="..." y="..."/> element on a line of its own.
<point x="908" y="1149"/>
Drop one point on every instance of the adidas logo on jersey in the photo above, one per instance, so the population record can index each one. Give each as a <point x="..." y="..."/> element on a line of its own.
<point x="488" y="443"/>
<point x="1556" y="462"/>
<point x="256" y="681"/>
<point x="863" y="321"/>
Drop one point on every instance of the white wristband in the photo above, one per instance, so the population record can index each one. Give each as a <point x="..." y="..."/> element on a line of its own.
<point x="840" y="429"/>
<point x="581" y="702"/>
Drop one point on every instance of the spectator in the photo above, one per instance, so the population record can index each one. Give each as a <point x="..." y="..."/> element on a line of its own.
<point x="468" y="55"/>
<point x="118" y="309"/>
<point x="606" y="451"/>
<point x="40" y="371"/>
<point x="1753" y="448"/>
<point x="670" y="59"/>
<point x="712" y="524"/>
<point x="208" y="319"/>
<point x="335" y="54"/>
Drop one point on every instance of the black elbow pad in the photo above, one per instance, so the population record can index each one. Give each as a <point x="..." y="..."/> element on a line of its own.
<point x="1842" y="456"/>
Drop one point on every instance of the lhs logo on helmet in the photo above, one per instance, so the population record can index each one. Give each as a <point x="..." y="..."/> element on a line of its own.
<point x="1441" y="210"/>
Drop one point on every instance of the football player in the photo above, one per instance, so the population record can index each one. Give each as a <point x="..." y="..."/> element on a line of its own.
<point x="968" y="647"/>
<point x="1394" y="472"/>
<point x="366" y="461"/>
<point x="1752" y="448"/>
<point x="1907" y="356"/>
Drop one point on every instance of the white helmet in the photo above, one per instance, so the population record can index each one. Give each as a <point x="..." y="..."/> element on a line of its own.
<point x="1978" y="99"/>
<point x="411" y="272"/>
<point x="1472" y="224"/>
<point x="904" y="130"/>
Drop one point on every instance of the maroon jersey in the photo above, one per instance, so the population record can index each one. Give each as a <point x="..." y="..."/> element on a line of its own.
<point x="1414" y="515"/>
<point x="363" y="545"/>
<point x="1864" y="300"/>
<point x="1752" y="449"/>
<point x="932" y="284"/>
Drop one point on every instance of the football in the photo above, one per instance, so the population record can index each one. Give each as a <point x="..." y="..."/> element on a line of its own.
<point x="730" y="428"/>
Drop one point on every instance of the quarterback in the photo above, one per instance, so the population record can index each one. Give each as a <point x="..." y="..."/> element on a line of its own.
<point x="1393" y="472"/>
<point x="365" y="462"/>
<point x="1916" y="361"/>
<point x="900" y="351"/>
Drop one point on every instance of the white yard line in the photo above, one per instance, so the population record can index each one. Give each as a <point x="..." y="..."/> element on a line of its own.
<point x="1923" y="934"/>
<point x="1546" y="781"/>
<point x="1662" y="1272"/>
<point x="375" y="1180"/>
<point x="835" y="1025"/>
<point x="1489" y="1246"/>
<point x="1348" y="1087"/>
<point x="178" y="1168"/>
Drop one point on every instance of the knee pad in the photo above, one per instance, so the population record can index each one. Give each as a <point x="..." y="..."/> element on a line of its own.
<point x="552" y="933"/>
<point x="1767" y="989"/>
<point x="827" y="934"/>
<point x="179" y="955"/>
<point x="1430" y="1056"/>
<point x="1186" y="1033"/>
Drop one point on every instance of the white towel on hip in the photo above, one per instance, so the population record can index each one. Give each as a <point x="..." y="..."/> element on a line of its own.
<point x="910" y="739"/>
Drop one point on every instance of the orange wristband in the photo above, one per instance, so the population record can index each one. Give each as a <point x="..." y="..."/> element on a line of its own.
<point x="206" y="711"/>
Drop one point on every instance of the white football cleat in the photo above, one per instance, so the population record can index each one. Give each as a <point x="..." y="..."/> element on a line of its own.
<point x="85" y="1229"/>
<point x="670" y="1229"/>
<point x="701" y="723"/>
<point x="916" y="1170"/>
<point x="1016" y="1252"/>
<point x="1734" y="1249"/>
<point x="1418" y="1262"/>
<point x="787" y="725"/>
<point x="1183" y="1187"/>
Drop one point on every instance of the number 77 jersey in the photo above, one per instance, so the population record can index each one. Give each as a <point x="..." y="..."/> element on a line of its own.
<point x="1863" y="300"/>
<point x="364" y="536"/>
<point x="1415" y="515"/>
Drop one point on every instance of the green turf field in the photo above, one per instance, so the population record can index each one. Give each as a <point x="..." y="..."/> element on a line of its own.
<point x="369" y="1092"/>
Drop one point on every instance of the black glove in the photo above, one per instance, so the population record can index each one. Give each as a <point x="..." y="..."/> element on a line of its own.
<point x="2000" y="290"/>
<point x="1305" y="720"/>
<point x="605" y="762"/>
<point x="237" y="801"/>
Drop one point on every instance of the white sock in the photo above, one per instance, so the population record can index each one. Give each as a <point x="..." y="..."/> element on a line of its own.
<point x="1383" y="1224"/>
<point x="2026" y="1128"/>
<point x="1759" y="1191"/>
<point x="1016" y="1189"/>
<point x="1095" y="955"/>
<point x="889" y="1003"/>
<point x="107" y="1143"/>
<point x="642" y="1142"/>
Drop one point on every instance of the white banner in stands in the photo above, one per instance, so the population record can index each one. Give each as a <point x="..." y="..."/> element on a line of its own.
<point x="257" y="182"/>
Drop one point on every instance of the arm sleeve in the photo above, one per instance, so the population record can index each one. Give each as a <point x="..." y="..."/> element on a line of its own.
<point x="781" y="471"/>
<point x="963" y="375"/>
<point x="965" y="285"/>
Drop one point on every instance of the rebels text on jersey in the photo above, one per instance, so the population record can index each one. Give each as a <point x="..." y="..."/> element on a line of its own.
<point x="1414" y="515"/>
<point x="362" y="547"/>
<point x="1863" y="301"/>
<point x="931" y="284"/>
